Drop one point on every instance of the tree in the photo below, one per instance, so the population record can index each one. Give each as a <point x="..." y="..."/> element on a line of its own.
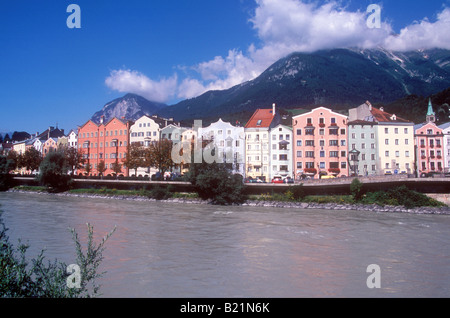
<point x="217" y="183"/>
<point x="101" y="167"/>
<point x="14" y="157"/>
<point x="31" y="159"/>
<point x="53" y="172"/>
<point x="88" y="168"/>
<point x="135" y="157"/>
<point x="116" y="167"/>
<point x="159" y="155"/>
<point x="75" y="158"/>
<point x="6" y="180"/>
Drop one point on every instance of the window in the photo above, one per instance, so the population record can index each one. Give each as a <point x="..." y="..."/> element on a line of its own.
<point x="274" y="137"/>
<point x="386" y="154"/>
<point x="309" y="165"/>
<point x="322" y="165"/>
<point x="386" y="141"/>
<point x="343" y="142"/>
<point x="309" y="154"/>
<point x="322" y="154"/>
<point x="299" y="143"/>
<point x="310" y="143"/>
<point x="406" y="130"/>
<point x="259" y="123"/>
<point x="397" y="154"/>
<point x="386" y="130"/>
<point x="299" y="165"/>
<point x="363" y="136"/>
<point x="343" y="131"/>
<point x="406" y="154"/>
<point x="283" y="157"/>
<point x="334" y="154"/>
<point x="353" y="136"/>
<point x="396" y="142"/>
<point x="299" y="154"/>
<point x="406" y="141"/>
<point x="343" y="165"/>
<point x="322" y="143"/>
<point x="343" y="154"/>
<point x="333" y="143"/>
<point x="396" y="130"/>
<point x="299" y="132"/>
<point x="309" y="131"/>
<point x="372" y="136"/>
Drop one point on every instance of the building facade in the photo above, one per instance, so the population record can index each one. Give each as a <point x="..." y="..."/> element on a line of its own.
<point x="320" y="144"/>
<point x="429" y="142"/>
<point x="104" y="142"/>
<point x="446" y="145"/>
<point x="363" y="137"/>
<point x="257" y="143"/>
<point x="229" y="142"/>
<point x="395" y="139"/>
<point x="281" y="152"/>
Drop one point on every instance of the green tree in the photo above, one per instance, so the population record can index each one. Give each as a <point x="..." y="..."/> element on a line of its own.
<point x="135" y="157"/>
<point x="101" y="167"/>
<point x="53" y="172"/>
<point x="217" y="183"/>
<point x="6" y="180"/>
<point x="75" y="158"/>
<point x="31" y="159"/>
<point x="159" y="156"/>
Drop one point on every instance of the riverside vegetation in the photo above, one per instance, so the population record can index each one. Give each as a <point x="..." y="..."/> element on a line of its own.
<point x="22" y="278"/>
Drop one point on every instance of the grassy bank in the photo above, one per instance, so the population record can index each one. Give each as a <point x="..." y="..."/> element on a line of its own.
<point x="393" y="197"/>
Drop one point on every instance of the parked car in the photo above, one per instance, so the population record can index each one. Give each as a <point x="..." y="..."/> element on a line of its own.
<point x="277" y="180"/>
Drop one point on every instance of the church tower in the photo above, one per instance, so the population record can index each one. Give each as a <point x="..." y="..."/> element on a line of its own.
<point x="431" y="116"/>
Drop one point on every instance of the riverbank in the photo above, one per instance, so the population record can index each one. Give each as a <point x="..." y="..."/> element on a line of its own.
<point x="260" y="203"/>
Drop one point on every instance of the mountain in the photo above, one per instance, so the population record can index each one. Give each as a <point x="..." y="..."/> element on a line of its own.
<point x="130" y="106"/>
<point x="338" y="78"/>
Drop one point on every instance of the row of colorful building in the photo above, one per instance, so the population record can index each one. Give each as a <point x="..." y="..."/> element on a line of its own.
<point x="369" y="141"/>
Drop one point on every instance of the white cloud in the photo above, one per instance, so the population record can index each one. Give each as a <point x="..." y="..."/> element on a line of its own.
<point x="127" y="81"/>
<point x="423" y="34"/>
<point x="283" y="27"/>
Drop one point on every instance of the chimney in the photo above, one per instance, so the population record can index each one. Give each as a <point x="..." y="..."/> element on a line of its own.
<point x="273" y="109"/>
<point x="382" y="109"/>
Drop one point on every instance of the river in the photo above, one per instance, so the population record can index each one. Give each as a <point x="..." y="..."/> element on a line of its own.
<point x="172" y="250"/>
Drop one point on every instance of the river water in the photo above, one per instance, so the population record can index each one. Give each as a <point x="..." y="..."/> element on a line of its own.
<point x="197" y="251"/>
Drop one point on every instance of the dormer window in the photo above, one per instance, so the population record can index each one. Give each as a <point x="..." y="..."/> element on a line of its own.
<point x="259" y="123"/>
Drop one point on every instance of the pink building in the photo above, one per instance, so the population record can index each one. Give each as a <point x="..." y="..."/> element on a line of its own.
<point x="320" y="143"/>
<point x="429" y="142"/>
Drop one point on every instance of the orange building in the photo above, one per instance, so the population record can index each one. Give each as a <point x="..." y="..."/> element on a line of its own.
<point x="106" y="142"/>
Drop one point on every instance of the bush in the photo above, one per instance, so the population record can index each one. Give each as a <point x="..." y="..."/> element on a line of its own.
<point x="356" y="189"/>
<point x="400" y="196"/>
<point x="21" y="279"/>
<point x="160" y="193"/>
<point x="216" y="182"/>
<point x="298" y="192"/>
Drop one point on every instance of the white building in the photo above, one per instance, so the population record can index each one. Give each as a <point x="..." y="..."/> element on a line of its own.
<point x="281" y="152"/>
<point x="229" y="143"/>
<point x="72" y="139"/>
<point x="446" y="131"/>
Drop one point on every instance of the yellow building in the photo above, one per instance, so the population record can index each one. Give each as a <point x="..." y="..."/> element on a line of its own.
<point x="395" y="139"/>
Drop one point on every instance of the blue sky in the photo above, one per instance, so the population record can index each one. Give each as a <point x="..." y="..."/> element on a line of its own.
<point x="172" y="50"/>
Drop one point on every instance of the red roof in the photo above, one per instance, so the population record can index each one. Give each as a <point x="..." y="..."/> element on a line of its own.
<point x="382" y="116"/>
<point x="262" y="118"/>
